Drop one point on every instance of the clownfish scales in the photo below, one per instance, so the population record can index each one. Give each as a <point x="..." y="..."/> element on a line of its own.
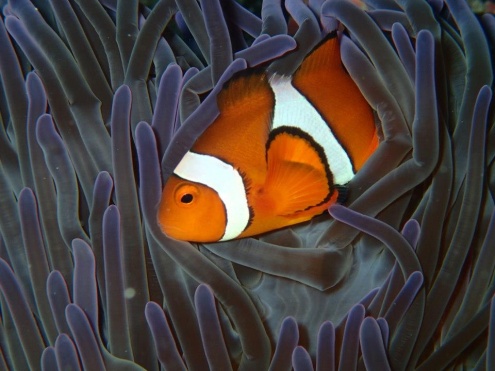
<point x="276" y="155"/>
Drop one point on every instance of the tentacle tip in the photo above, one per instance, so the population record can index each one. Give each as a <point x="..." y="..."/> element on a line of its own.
<point x="55" y="274"/>
<point x="486" y="90"/>
<point x="397" y="26"/>
<point x="143" y="132"/>
<point x="112" y="210"/>
<point x="424" y="36"/>
<point x="150" y="308"/>
<point x="31" y="77"/>
<point x="103" y="175"/>
<point x="150" y="305"/>
<point x="71" y="308"/>
<point x="26" y="192"/>
<point x="326" y="326"/>
<point x="10" y="20"/>
<point x="412" y="224"/>
<point x="299" y="352"/>
<point x="123" y="89"/>
<point x="290" y="322"/>
<point x="174" y="67"/>
<point x="203" y="288"/>
<point x="335" y="210"/>
<point x="417" y="275"/>
<point x="368" y="320"/>
<point x="358" y="308"/>
<point x="203" y="294"/>
<point x="78" y="244"/>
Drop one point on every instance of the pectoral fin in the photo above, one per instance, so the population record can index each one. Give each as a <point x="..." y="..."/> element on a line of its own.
<point x="297" y="176"/>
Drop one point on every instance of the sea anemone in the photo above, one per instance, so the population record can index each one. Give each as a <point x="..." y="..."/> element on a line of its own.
<point x="101" y="99"/>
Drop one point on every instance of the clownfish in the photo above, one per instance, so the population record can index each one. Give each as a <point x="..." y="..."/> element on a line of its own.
<point x="275" y="155"/>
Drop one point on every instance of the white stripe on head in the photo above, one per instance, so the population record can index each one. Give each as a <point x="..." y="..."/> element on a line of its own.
<point x="223" y="179"/>
<point x="292" y="109"/>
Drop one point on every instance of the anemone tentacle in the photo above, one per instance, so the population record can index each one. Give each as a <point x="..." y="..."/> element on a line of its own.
<point x="100" y="100"/>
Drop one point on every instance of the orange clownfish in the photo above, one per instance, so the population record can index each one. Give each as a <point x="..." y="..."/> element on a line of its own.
<point x="275" y="155"/>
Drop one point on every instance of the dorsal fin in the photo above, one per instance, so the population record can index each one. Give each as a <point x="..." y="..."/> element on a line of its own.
<point x="239" y="134"/>
<point x="325" y="83"/>
<point x="324" y="56"/>
<point x="246" y="88"/>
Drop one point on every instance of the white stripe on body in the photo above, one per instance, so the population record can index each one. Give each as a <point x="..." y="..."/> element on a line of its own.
<point x="223" y="179"/>
<point x="292" y="109"/>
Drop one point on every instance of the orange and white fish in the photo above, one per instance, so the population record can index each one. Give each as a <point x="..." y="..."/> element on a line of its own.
<point x="275" y="155"/>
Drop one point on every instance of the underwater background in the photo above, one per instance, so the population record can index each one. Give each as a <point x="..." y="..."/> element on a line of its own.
<point x="101" y="99"/>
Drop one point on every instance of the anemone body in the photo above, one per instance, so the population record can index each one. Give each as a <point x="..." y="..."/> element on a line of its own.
<point x="101" y="99"/>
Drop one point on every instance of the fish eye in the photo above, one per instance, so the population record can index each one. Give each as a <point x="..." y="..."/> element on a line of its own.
<point x="186" y="194"/>
<point x="187" y="198"/>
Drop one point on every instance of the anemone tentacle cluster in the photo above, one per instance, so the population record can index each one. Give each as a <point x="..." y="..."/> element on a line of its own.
<point x="99" y="101"/>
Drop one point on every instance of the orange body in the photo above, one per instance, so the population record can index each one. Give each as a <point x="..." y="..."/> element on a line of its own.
<point x="273" y="133"/>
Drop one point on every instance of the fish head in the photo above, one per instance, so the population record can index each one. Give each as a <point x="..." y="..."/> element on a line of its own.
<point x="191" y="211"/>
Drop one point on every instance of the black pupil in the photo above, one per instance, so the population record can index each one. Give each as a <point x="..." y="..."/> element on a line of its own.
<point x="187" y="198"/>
